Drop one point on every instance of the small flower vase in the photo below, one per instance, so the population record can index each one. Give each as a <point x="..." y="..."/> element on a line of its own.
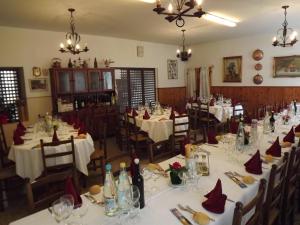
<point x="175" y="179"/>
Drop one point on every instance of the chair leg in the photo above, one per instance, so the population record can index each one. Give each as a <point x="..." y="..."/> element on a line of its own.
<point x="1" y="196"/>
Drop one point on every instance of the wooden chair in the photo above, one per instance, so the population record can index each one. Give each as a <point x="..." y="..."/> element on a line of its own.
<point x="181" y="129"/>
<point x="274" y="197"/>
<point x="100" y="153"/>
<point x="196" y="128"/>
<point x="3" y="150"/>
<point x="256" y="203"/>
<point x="289" y="196"/>
<point x="158" y="149"/>
<point x="135" y="137"/>
<point x="238" y="110"/>
<point x="51" y="184"/>
<point x="121" y="132"/>
<point x="205" y="117"/>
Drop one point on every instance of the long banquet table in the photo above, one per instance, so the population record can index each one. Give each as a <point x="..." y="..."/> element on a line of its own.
<point x="28" y="156"/>
<point x="159" y="202"/>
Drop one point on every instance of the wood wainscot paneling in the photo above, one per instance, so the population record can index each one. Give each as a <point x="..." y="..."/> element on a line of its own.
<point x="254" y="97"/>
<point x="173" y="96"/>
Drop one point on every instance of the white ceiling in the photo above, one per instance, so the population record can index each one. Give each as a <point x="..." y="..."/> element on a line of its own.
<point x="134" y="19"/>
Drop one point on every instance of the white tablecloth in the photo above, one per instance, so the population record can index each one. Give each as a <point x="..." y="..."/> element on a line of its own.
<point x="159" y="128"/>
<point x="159" y="203"/>
<point x="221" y="113"/>
<point x="29" y="162"/>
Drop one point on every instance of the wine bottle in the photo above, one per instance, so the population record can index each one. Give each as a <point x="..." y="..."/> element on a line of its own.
<point x="272" y="122"/>
<point x="137" y="180"/>
<point x="95" y="63"/>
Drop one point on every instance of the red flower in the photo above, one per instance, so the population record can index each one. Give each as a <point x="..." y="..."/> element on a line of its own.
<point x="176" y="166"/>
<point x="3" y="119"/>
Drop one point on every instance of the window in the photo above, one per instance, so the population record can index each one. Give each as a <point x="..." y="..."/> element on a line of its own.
<point x="12" y="91"/>
<point x="136" y="86"/>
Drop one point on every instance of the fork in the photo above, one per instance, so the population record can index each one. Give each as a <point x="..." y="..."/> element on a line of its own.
<point x="190" y="210"/>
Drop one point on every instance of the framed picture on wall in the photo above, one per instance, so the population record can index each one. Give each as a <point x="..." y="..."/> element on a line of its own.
<point x="287" y="66"/>
<point x="232" y="69"/>
<point x="37" y="85"/>
<point x="172" y="69"/>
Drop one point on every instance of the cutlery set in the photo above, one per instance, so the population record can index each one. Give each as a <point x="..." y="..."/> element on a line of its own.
<point x="94" y="200"/>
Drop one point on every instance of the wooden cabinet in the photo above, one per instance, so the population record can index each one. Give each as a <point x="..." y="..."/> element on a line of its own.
<point x="82" y="85"/>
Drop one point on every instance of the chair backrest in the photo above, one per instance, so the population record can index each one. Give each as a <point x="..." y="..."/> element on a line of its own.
<point x="256" y="203"/>
<point x="48" y="154"/>
<point x="274" y="196"/>
<point x="238" y="109"/>
<point x="43" y="191"/>
<point x="101" y="132"/>
<point x="204" y="109"/>
<point x="3" y="148"/>
<point x="131" y="126"/>
<point x="181" y="126"/>
<point x="193" y="115"/>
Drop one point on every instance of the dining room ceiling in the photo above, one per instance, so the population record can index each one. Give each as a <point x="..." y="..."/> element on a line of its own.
<point x="134" y="19"/>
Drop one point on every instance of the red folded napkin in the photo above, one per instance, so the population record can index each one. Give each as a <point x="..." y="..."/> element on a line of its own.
<point x="215" y="199"/>
<point x="182" y="111"/>
<point x="253" y="165"/>
<point x="134" y="113"/>
<point x="146" y="115"/>
<point x="82" y="129"/>
<point x="275" y="149"/>
<point x="211" y="137"/>
<point x="21" y="126"/>
<point x="128" y="110"/>
<point x="297" y="128"/>
<point x="55" y="138"/>
<point x="212" y="102"/>
<point x="233" y="127"/>
<point x="290" y="137"/>
<point x="172" y="115"/>
<point x="184" y="142"/>
<point x="77" y="123"/>
<point x="71" y="190"/>
<point x="17" y="139"/>
<point x="20" y="131"/>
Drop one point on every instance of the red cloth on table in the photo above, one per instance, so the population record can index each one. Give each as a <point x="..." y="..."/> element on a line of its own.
<point x="290" y="137"/>
<point x="17" y="138"/>
<point x="254" y="165"/>
<point x="275" y="149"/>
<point x="211" y="137"/>
<point x="71" y="190"/>
<point x="146" y="115"/>
<point x="215" y="199"/>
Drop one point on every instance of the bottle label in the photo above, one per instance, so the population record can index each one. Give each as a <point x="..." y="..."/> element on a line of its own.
<point x="110" y="204"/>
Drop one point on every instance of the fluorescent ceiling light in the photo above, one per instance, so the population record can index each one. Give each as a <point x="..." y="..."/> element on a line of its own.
<point x="219" y="20"/>
<point x="149" y="1"/>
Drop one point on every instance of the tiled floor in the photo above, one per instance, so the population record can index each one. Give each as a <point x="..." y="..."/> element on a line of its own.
<point x="17" y="207"/>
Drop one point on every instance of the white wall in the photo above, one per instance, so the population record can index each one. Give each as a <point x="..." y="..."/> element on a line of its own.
<point x="212" y="53"/>
<point x="29" y="48"/>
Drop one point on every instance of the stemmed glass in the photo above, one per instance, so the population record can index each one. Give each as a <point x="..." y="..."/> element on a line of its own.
<point x="62" y="208"/>
<point x="151" y="177"/>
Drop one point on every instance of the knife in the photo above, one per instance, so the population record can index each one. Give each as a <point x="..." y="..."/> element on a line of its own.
<point x="180" y="217"/>
<point x="236" y="180"/>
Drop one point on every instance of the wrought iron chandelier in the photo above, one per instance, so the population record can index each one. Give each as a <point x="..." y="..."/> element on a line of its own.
<point x="73" y="39"/>
<point x="285" y="36"/>
<point x="184" y="55"/>
<point x="183" y="8"/>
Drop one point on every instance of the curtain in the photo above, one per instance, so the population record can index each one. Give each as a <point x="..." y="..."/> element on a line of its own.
<point x="204" y="83"/>
<point x="191" y="84"/>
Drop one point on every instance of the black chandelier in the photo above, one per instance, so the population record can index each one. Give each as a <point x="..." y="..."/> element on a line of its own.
<point x="183" y="8"/>
<point x="285" y="36"/>
<point x="184" y="55"/>
<point x="73" y="39"/>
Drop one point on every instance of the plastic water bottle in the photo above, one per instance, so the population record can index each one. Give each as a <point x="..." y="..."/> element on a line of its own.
<point x="240" y="137"/>
<point x="123" y="189"/>
<point x="110" y="193"/>
<point x="266" y="124"/>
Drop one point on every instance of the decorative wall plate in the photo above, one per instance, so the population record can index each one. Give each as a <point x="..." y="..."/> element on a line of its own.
<point x="36" y="71"/>
<point x="258" y="54"/>
<point x="258" y="79"/>
<point x="258" y="67"/>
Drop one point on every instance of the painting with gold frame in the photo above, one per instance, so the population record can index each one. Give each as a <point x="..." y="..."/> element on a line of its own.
<point x="286" y="66"/>
<point x="232" y="67"/>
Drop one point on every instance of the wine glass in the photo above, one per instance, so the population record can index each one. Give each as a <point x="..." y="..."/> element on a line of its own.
<point x="135" y="203"/>
<point x="61" y="209"/>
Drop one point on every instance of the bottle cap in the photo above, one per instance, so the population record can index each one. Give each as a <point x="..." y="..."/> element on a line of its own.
<point x="122" y="165"/>
<point x="136" y="161"/>
<point x="108" y="167"/>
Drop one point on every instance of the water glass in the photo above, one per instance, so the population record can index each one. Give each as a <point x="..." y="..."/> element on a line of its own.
<point x="61" y="210"/>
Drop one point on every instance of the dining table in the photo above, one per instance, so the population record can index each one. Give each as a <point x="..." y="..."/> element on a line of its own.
<point x="161" y="195"/>
<point x="28" y="156"/>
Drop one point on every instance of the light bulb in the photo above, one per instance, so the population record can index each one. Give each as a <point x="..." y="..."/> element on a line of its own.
<point x="199" y="2"/>
<point x="178" y="51"/>
<point x="294" y="35"/>
<point x="62" y="45"/>
<point x="170" y="7"/>
<point x="77" y="46"/>
<point x="274" y="39"/>
<point x="69" y="41"/>
<point x="189" y="51"/>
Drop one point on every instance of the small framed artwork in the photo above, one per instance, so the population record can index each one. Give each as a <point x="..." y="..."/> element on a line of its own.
<point x="36" y="71"/>
<point x="232" y="69"/>
<point x="172" y="69"/>
<point x="140" y="51"/>
<point x="37" y="85"/>
<point x="287" y="66"/>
